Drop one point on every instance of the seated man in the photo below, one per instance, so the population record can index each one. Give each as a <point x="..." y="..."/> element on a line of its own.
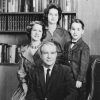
<point x="51" y="81"/>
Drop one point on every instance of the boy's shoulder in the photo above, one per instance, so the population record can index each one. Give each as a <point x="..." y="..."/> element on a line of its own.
<point x="84" y="44"/>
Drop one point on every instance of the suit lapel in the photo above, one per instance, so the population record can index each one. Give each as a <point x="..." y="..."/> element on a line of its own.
<point x="53" y="77"/>
<point x="77" y="44"/>
<point x="42" y="79"/>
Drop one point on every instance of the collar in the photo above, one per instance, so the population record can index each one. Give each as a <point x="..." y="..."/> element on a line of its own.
<point x="26" y="54"/>
<point x="77" y="42"/>
<point x="45" y="68"/>
<point x="45" y="71"/>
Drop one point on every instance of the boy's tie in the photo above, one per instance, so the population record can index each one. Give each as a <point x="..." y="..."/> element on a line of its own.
<point x="73" y="42"/>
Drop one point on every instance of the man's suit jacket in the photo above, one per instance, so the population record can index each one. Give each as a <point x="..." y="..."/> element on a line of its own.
<point x="61" y="85"/>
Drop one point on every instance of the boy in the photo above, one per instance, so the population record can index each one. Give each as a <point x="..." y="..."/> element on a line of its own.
<point x="77" y="57"/>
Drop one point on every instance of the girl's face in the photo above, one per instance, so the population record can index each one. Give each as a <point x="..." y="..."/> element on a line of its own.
<point x="53" y="16"/>
<point x="76" y="31"/>
<point x="36" y="32"/>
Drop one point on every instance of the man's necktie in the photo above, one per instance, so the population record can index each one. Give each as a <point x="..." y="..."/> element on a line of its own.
<point x="47" y="77"/>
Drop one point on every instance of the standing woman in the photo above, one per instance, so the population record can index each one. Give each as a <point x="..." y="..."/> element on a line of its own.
<point x="29" y="56"/>
<point x="52" y="17"/>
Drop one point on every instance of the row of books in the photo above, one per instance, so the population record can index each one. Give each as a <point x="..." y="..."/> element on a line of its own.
<point x="67" y="20"/>
<point x="8" y="53"/>
<point x="35" y="5"/>
<point x="20" y="22"/>
<point x="16" y="22"/>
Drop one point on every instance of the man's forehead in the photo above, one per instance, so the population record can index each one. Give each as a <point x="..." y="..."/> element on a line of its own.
<point x="49" y="46"/>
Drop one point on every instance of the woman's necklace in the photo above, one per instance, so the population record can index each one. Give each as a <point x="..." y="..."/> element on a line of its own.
<point x="35" y="45"/>
<point x="52" y="29"/>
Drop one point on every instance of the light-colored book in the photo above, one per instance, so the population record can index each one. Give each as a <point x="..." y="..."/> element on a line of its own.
<point x="0" y="53"/>
<point x="68" y="8"/>
<point x="36" y="7"/>
<point x="44" y="4"/>
<point x="65" y="22"/>
<point x="12" y="53"/>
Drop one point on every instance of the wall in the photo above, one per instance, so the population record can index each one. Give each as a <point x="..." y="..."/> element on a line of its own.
<point x="88" y="11"/>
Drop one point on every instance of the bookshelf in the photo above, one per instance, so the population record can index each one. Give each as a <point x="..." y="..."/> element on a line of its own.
<point x="17" y="22"/>
<point x="15" y="15"/>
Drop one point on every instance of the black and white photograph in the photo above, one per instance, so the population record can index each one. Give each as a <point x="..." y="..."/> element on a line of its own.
<point x="49" y="50"/>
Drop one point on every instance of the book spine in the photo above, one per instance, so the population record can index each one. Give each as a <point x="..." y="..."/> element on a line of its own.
<point x="0" y="53"/>
<point x="0" y="23"/>
<point x="12" y="53"/>
<point x="69" y="21"/>
<point x="36" y="7"/>
<point x="65" y="22"/>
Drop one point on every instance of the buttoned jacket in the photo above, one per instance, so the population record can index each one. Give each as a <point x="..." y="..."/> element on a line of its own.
<point x="60" y="86"/>
<point x="77" y="58"/>
<point x="60" y="35"/>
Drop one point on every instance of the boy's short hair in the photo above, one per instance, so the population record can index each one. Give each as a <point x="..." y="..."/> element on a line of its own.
<point x="78" y="21"/>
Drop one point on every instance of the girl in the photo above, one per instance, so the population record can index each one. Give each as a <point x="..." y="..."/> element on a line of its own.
<point x="29" y="56"/>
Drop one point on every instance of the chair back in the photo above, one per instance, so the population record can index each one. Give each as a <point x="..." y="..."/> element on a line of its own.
<point x="95" y="83"/>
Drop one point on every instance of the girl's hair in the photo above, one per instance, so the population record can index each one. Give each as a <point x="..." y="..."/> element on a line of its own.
<point x="30" y="26"/>
<point x="46" y="11"/>
<point x="78" y="21"/>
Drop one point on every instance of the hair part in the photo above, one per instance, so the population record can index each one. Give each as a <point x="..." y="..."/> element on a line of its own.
<point x="78" y="21"/>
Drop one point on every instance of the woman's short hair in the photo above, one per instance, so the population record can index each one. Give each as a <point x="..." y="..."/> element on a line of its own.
<point x="46" y="11"/>
<point x="30" y="26"/>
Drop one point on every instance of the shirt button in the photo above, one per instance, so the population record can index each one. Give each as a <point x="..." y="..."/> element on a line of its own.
<point x="69" y="61"/>
<point x="46" y="99"/>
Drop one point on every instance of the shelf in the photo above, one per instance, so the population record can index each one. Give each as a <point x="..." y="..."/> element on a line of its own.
<point x="26" y="13"/>
<point x="9" y="63"/>
<point x="69" y="13"/>
<point x="16" y="22"/>
<point x="16" y="32"/>
<point x="20" y="13"/>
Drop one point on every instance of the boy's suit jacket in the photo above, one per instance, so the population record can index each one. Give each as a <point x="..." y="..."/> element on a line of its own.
<point x="61" y="85"/>
<point x="78" y="58"/>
